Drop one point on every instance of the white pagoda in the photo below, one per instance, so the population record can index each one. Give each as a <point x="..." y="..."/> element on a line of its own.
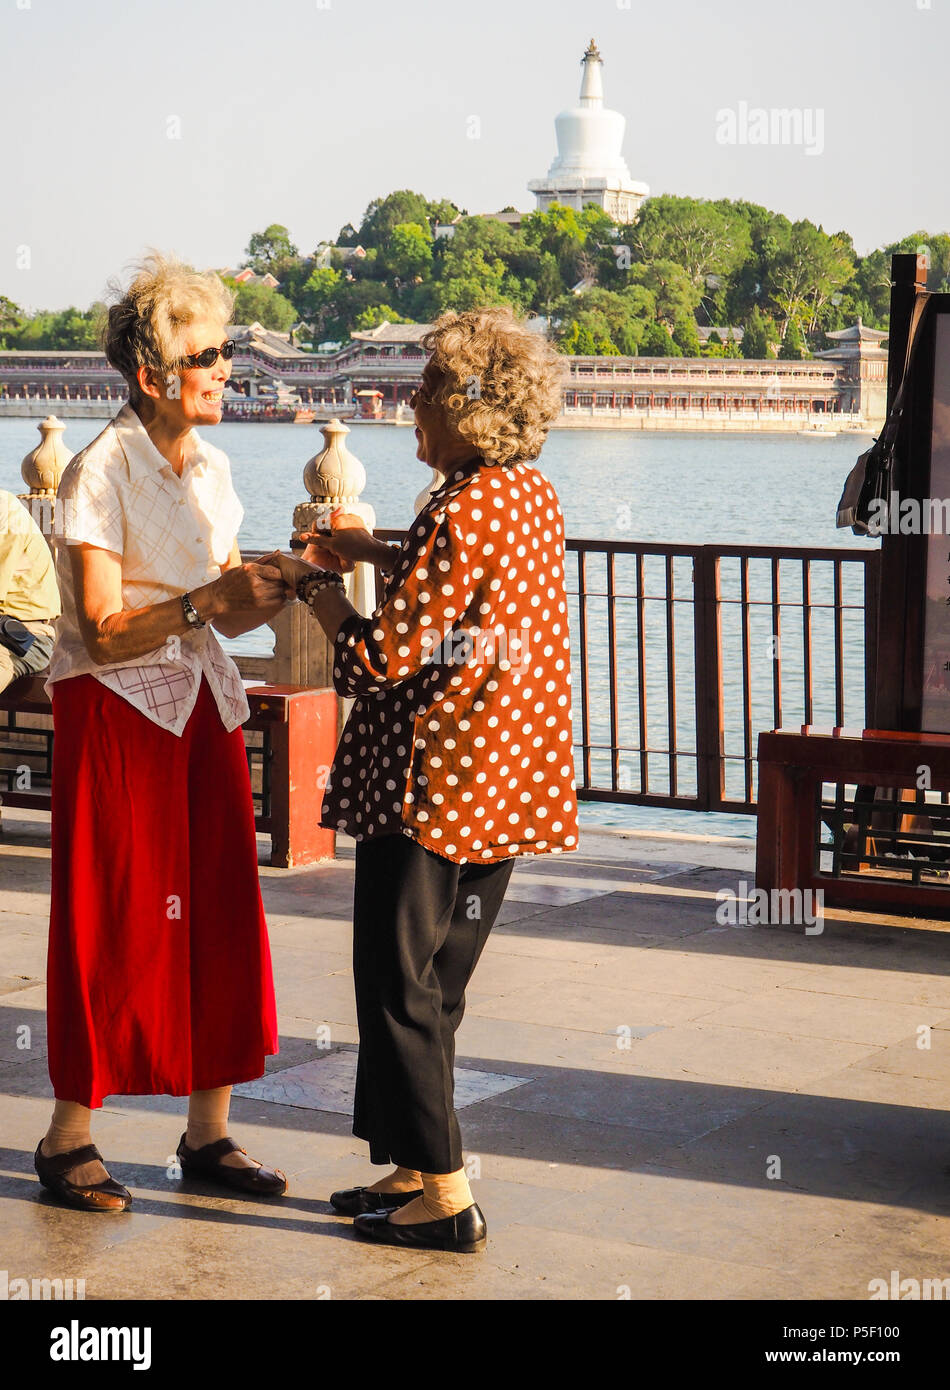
<point x="590" y="167"/>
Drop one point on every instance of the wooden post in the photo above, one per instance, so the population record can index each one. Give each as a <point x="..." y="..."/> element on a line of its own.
<point x="898" y="610"/>
<point x="707" y="637"/>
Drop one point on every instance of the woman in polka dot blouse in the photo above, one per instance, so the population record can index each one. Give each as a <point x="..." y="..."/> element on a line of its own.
<point x="456" y="756"/>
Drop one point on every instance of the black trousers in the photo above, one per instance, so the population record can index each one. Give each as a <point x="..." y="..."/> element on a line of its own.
<point x="420" y="923"/>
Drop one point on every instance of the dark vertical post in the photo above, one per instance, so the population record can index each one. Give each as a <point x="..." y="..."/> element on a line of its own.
<point x="872" y="588"/>
<point x="908" y="277"/>
<point x="707" y="638"/>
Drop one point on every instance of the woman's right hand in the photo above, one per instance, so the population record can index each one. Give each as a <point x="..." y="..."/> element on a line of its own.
<point x="337" y="550"/>
<point x="348" y="543"/>
<point x="246" y="587"/>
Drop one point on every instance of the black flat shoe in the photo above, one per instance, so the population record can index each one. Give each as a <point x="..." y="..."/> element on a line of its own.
<point x="354" y="1201"/>
<point x="206" y="1163"/>
<point x="99" y="1196"/>
<point x="464" y="1233"/>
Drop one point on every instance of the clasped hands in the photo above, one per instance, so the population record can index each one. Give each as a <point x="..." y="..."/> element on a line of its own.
<point x="347" y="543"/>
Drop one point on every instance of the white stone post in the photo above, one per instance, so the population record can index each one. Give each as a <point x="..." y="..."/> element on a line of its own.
<point x="41" y="470"/>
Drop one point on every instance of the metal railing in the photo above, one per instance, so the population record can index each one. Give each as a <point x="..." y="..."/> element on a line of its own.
<point x="682" y="654"/>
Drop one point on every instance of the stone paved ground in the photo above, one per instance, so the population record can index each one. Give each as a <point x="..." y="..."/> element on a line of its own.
<point x="643" y="1072"/>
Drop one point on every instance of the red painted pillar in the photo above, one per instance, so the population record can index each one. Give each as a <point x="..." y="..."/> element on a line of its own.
<point x="303" y="736"/>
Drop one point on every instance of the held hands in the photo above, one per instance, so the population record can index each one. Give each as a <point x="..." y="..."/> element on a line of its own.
<point x="341" y="548"/>
<point x="291" y="569"/>
<point x="249" y="586"/>
<point x="317" y="552"/>
<point x="351" y="538"/>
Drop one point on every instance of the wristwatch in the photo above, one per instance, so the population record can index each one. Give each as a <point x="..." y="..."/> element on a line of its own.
<point x="311" y="584"/>
<point x="190" y="612"/>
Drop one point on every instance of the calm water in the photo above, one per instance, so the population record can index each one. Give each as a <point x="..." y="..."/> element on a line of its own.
<point x="760" y="490"/>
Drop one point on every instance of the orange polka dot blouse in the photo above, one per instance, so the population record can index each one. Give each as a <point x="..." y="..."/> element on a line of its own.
<point x="460" y="731"/>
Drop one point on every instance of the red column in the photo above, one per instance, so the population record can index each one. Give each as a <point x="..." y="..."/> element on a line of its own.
<point x="303" y="732"/>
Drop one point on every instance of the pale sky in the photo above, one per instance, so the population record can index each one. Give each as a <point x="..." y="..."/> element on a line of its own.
<point x="301" y="111"/>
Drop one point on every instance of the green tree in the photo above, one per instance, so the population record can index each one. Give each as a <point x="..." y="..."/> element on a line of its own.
<point x="59" y="330"/>
<point x="559" y="232"/>
<point x="549" y="282"/>
<point x="585" y="344"/>
<point x="792" y="349"/>
<point x="383" y="214"/>
<point x="686" y="336"/>
<point x="375" y="315"/>
<point x="807" y="270"/>
<point x="675" y="295"/>
<point x="755" y="339"/>
<point x="620" y="319"/>
<point x="658" y="343"/>
<point x="552" y="229"/>
<point x="698" y="235"/>
<point x="469" y="281"/>
<point x="11" y="319"/>
<point x="259" y="304"/>
<point x="317" y="298"/>
<point x="407" y="252"/>
<point x="267" y="249"/>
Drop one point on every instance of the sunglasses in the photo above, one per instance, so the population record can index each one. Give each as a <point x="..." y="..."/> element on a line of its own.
<point x="209" y="356"/>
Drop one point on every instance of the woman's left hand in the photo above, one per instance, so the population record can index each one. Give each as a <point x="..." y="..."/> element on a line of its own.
<point x="291" y="569"/>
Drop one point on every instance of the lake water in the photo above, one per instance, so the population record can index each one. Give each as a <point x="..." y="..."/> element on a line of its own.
<point x="612" y="484"/>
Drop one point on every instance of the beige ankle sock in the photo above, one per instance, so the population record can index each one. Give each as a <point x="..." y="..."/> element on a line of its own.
<point x="208" y="1122"/>
<point x="70" y="1128"/>
<point x="399" y="1180"/>
<point x="443" y="1194"/>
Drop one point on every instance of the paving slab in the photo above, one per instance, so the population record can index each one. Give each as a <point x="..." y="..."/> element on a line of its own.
<point x="329" y="1083"/>
<point x="690" y="1110"/>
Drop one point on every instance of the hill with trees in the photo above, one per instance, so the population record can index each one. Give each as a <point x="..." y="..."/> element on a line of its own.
<point x="642" y="289"/>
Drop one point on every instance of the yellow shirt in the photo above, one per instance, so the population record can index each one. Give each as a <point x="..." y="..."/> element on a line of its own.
<point x="28" y="588"/>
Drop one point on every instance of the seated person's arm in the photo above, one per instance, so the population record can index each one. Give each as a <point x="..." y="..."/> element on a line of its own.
<point x="11" y="555"/>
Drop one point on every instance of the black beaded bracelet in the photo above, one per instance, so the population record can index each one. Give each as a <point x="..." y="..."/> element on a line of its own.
<point x="320" y="579"/>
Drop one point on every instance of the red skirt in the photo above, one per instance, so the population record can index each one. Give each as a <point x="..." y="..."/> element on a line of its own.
<point x="159" y="974"/>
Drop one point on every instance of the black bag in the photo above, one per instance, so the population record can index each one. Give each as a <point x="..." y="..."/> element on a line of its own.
<point x="872" y="478"/>
<point x="15" y="637"/>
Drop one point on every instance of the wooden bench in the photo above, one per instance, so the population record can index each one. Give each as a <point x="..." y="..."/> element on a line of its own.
<point x="291" y="738"/>
<point x="889" y="846"/>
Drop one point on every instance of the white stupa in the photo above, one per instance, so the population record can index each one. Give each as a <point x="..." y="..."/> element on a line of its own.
<point x="590" y="167"/>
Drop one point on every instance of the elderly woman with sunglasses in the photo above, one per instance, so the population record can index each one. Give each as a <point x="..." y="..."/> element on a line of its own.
<point x="456" y="757"/>
<point x="159" y="964"/>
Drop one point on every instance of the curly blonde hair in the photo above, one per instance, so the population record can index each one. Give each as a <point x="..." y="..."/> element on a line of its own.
<point x="502" y="381"/>
<point x="147" y="324"/>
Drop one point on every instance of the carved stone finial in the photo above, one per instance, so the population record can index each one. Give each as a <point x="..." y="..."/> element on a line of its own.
<point x="43" y="466"/>
<point x="333" y="477"/>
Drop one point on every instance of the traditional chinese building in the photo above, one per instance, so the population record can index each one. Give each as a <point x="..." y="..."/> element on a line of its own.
<point x="862" y="369"/>
<point x="846" y="381"/>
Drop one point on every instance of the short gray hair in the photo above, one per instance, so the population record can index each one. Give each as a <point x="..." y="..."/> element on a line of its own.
<point x="147" y="323"/>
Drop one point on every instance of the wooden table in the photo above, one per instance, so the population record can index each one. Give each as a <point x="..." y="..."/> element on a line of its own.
<point x="793" y="764"/>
